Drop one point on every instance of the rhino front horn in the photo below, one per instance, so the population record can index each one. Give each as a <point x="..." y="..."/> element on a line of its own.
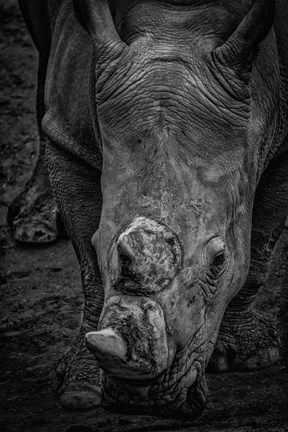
<point x="108" y="347"/>
<point x="131" y="342"/>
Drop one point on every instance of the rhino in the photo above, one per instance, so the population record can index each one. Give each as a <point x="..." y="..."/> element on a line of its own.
<point x="165" y="125"/>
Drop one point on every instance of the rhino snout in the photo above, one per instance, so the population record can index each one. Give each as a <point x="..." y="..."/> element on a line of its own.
<point x="131" y="342"/>
<point x="147" y="256"/>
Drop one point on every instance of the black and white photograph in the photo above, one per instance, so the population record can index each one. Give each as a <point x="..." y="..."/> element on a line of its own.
<point x="143" y="215"/>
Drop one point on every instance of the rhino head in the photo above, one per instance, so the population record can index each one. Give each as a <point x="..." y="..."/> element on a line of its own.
<point x="172" y="104"/>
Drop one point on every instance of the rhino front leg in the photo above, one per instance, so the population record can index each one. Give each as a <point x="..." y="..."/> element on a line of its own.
<point x="247" y="339"/>
<point x="33" y="216"/>
<point x="76" y="187"/>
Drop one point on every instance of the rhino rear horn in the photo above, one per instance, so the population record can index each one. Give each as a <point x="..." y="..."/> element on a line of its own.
<point x="242" y="45"/>
<point x="96" y="17"/>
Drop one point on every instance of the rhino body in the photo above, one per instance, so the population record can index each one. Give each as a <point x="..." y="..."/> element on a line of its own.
<point x="166" y="126"/>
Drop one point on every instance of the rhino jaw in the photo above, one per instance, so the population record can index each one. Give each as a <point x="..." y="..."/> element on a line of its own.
<point x="132" y="343"/>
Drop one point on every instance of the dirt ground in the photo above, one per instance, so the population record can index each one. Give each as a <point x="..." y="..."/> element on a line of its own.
<point x="41" y="296"/>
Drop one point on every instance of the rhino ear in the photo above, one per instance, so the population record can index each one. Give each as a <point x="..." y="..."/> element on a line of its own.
<point x="238" y="51"/>
<point x="95" y="16"/>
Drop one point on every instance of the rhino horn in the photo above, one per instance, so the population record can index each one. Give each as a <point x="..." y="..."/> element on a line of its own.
<point x="131" y="342"/>
<point x="107" y="343"/>
<point x="238" y="50"/>
<point x="96" y="18"/>
<point x="149" y="256"/>
<point x="111" y="353"/>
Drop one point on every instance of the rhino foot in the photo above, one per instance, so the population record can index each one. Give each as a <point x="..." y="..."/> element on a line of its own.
<point x="78" y="378"/>
<point x="33" y="216"/>
<point x="246" y="342"/>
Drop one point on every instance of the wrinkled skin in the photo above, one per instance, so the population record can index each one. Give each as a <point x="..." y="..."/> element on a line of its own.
<point x="33" y="216"/>
<point x="167" y="124"/>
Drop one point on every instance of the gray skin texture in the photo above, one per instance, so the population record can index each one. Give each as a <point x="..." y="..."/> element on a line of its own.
<point x="167" y="126"/>
<point x="33" y="216"/>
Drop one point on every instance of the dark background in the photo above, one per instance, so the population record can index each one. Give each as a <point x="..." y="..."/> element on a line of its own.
<point x="41" y="297"/>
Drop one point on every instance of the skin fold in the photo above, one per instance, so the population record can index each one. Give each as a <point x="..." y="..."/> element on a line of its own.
<point x="167" y="153"/>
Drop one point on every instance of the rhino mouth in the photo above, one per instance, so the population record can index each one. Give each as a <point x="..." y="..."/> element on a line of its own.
<point x="160" y="397"/>
<point x="143" y="370"/>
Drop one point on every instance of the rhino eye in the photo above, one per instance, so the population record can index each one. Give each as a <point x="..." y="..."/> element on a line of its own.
<point x="216" y="256"/>
<point x="219" y="260"/>
<point x="218" y="263"/>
